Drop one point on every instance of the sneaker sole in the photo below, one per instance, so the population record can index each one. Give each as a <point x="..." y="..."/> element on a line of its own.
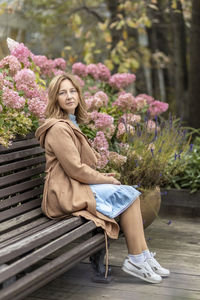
<point x="138" y="276"/>
<point x="163" y="275"/>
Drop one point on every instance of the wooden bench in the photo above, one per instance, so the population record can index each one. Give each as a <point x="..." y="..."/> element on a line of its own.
<point x="34" y="249"/>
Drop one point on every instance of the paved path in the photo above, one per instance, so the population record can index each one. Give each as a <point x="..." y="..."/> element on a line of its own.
<point x="178" y="248"/>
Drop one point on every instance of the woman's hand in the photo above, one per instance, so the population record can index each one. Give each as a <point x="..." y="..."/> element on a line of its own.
<point x="114" y="180"/>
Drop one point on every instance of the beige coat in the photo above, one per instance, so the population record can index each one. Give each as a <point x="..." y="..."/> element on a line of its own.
<point x="70" y="168"/>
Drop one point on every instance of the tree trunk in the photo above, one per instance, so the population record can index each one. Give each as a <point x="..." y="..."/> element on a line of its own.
<point x="194" y="73"/>
<point x="179" y="61"/>
<point x="167" y="35"/>
<point x="160" y="40"/>
<point x="116" y="34"/>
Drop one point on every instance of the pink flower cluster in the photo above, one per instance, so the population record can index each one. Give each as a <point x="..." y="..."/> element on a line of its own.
<point x="130" y="119"/>
<point x="25" y="81"/>
<point x="37" y="107"/>
<point x="120" y="81"/>
<point x="117" y="159"/>
<point x="101" y="120"/>
<point x="49" y="67"/>
<point x="109" y="131"/>
<point x="158" y="107"/>
<point x="59" y="63"/>
<point x="96" y="101"/>
<point x="124" y="128"/>
<point x="102" y="162"/>
<point x="104" y="72"/>
<point x="80" y="82"/>
<point x="8" y="83"/>
<point x="100" y="143"/>
<point x="25" y="76"/>
<point x="22" y="53"/>
<point x="79" y="69"/>
<point x="12" y="99"/>
<point x="93" y="88"/>
<point x="125" y="101"/>
<point x="149" y="99"/>
<point x="1" y="81"/>
<point x="12" y="63"/>
<point x="93" y="70"/>
<point x="140" y="103"/>
<point x="99" y="71"/>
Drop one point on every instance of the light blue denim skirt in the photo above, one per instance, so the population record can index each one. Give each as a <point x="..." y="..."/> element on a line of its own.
<point x="112" y="199"/>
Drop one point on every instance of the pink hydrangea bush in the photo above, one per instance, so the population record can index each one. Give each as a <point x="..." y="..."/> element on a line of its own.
<point x="98" y="71"/>
<point x="125" y="102"/>
<point x="125" y="129"/>
<point x="79" y="69"/>
<point x="104" y="72"/>
<point x="114" y="113"/>
<point x="22" y="53"/>
<point x="23" y="96"/>
<point x="156" y="108"/>
<point x="100" y="143"/>
<point x="120" y="81"/>
<point x="96" y="101"/>
<point x="130" y="118"/>
<point x="10" y="63"/>
<point x="12" y="99"/>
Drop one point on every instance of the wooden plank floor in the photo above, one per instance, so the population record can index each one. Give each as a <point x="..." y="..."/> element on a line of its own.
<point x="178" y="248"/>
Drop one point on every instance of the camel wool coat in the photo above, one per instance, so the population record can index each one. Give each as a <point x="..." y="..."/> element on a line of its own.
<point x="70" y="168"/>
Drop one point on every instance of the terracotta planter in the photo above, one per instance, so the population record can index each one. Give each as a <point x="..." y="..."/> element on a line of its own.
<point x="150" y="205"/>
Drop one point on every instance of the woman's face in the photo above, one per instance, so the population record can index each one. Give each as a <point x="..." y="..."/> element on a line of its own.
<point x="68" y="97"/>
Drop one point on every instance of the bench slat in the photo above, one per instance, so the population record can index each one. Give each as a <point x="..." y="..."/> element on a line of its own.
<point x="22" y="164"/>
<point x="21" y="187"/>
<point x="26" y="233"/>
<point x="6" y="203"/>
<point x="11" y="235"/>
<point x="4" y="158"/>
<point x="18" y="210"/>
<point x="46" y="250"/>
<point x="61" y="264"/>
<point x="20" y="220"/>
<point x="39" y="238"/>
<point x="16" y="177"/>
<point x="19" y="145"/>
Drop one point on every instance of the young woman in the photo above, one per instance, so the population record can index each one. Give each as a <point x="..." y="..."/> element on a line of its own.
<point x="73" y="186"/>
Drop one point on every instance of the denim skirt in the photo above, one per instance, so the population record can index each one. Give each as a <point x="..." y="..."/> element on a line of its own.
<point x="112" y="199"/>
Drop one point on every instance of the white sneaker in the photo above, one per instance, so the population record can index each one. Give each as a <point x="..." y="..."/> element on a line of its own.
<point x="156" y="267"/>
<point x="141" y="270"/>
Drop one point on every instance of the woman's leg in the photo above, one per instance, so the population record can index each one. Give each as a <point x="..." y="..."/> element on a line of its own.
<point x="149" y="269"/>
<point x="132" y="226"/>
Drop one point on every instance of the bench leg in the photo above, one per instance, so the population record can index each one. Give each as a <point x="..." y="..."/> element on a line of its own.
<point x="99" y="268"/>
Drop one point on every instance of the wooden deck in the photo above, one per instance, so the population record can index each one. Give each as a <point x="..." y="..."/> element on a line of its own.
<point x="178" y="248"/>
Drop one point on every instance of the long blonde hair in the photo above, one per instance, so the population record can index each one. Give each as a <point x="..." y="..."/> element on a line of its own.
<point x="54" y="110"/>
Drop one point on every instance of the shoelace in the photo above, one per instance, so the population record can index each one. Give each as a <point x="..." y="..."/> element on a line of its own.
<point x="153" y="254"/>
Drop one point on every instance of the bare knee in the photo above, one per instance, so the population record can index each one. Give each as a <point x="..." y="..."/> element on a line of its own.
<point x="137" y="201"/>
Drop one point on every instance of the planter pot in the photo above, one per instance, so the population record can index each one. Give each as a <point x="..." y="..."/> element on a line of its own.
<point x="180" y="202"/>
<point x="150" y="205"/>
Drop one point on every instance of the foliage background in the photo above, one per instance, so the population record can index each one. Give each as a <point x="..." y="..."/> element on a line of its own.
<point x="157" y="40"/>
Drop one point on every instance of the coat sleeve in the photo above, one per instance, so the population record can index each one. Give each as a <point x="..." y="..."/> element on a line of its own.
<point x="59" y="139"/>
